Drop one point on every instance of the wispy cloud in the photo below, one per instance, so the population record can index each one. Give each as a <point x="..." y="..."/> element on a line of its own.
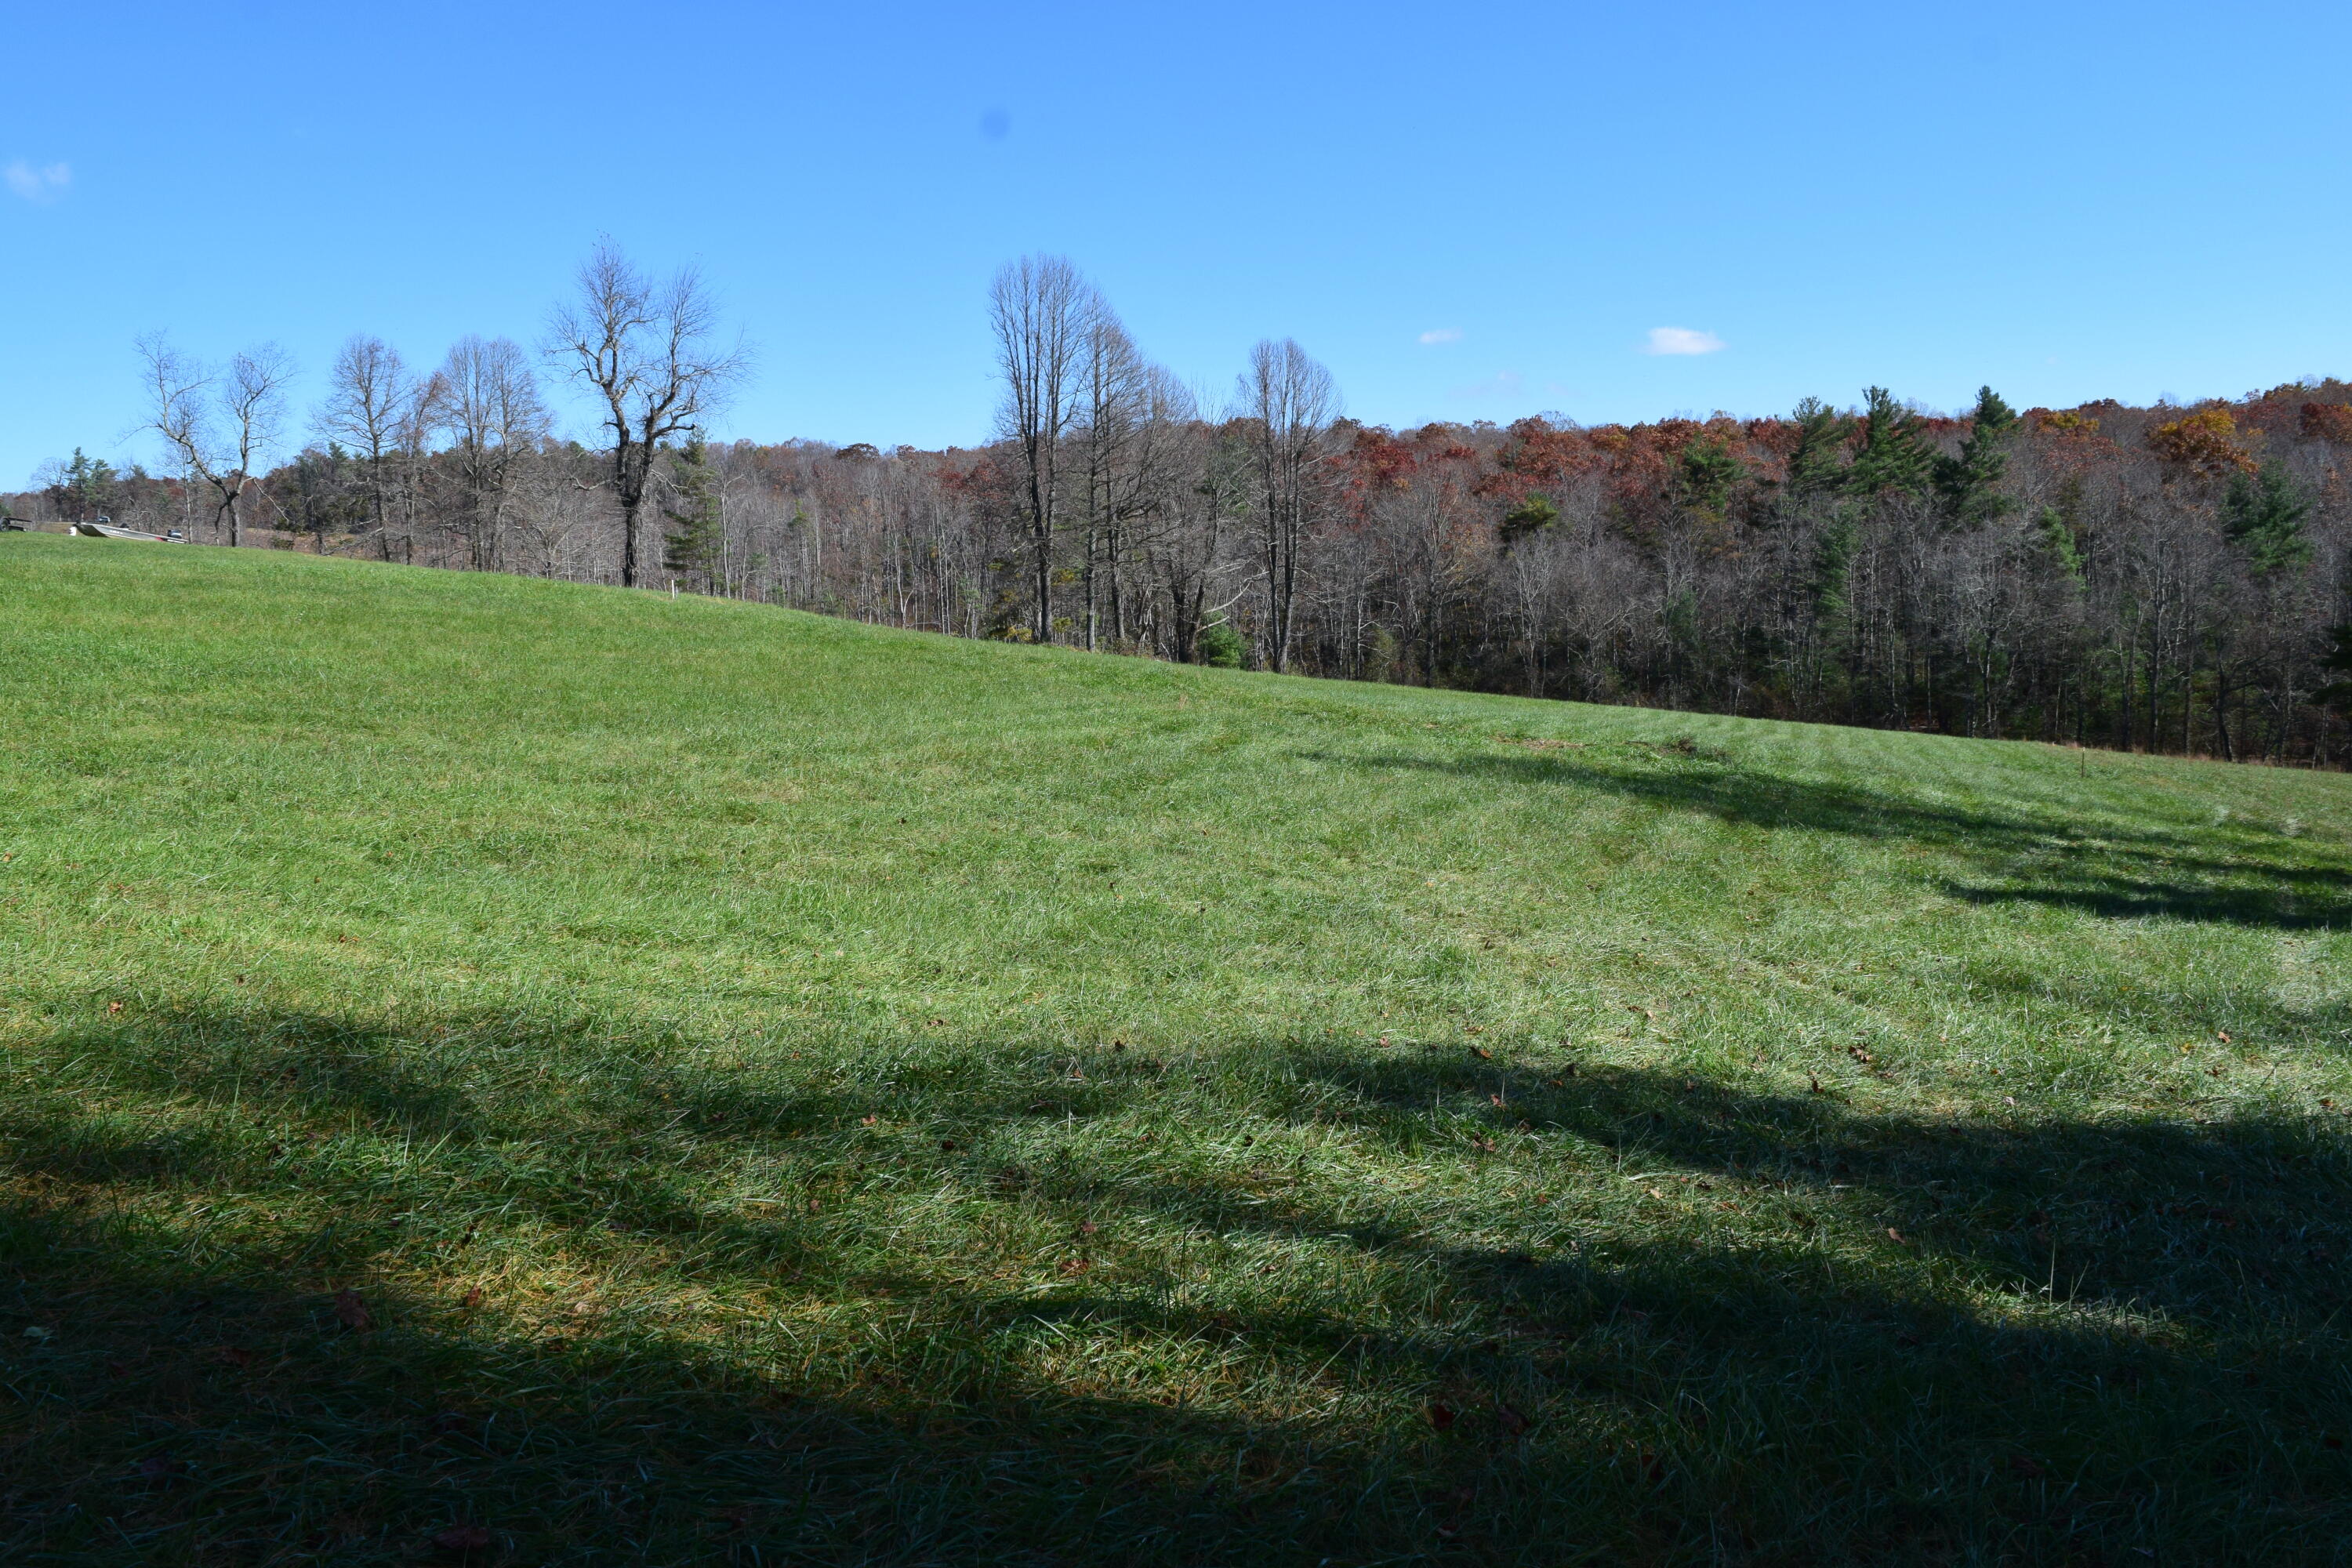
<point x="1441" y="335"/>
<point x="1681" y="341"/>
<point x="1507" y="384"/>
<point x="44" y="183"/>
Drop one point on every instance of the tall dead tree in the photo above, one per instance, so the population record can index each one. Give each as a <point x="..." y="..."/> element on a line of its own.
<point x="367" y="390"/>
<point x="1040" y="309"/>
<point x="1113" y="379"/>
<point x="217" y="422"/>
<point x="494" y="417"/>
<point x="1290" y="402"/>
<point x="650" y="351"/>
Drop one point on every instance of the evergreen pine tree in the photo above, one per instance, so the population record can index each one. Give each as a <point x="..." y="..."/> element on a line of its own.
<point x="692" y="548"/>
<point x="2056" y="537"/>
<point x="1817" y="462"/>
<point x="1708" y="474"/>
<point x="1531" y="516"/>
<point x="1894" y="453"/>
<point x="2264" y="514"/>
<point x="1966" y="483"/>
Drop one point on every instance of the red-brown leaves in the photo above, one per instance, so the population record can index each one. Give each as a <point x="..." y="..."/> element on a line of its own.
<point x="2204" y="442"/>
<point x="352" y="1311"/>
<point x="2328" y="422"/>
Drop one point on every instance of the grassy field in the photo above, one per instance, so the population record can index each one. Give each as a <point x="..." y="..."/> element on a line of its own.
<point x="498" y="1071"/>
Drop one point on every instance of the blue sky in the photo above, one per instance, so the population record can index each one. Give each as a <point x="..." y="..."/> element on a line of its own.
<point x="1467" y="213"/>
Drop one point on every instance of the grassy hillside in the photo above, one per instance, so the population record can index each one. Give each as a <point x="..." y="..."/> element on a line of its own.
<point x="503" y="1071"/>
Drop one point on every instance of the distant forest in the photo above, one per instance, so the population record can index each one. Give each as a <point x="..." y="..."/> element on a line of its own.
<point x="2172" y="578"/>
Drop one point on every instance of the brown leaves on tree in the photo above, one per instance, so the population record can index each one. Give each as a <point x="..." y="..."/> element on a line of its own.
<point x="2205" y="443"/>
<point x="2328" y="422"/>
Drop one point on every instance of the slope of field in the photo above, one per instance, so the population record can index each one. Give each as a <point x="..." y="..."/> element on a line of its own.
<point x="508" y="1072"/>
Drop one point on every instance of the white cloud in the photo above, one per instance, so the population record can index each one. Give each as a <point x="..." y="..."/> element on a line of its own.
<point x="42" y="185"/>
<point x="1681" y="341"/>
<point x="1506" y="385"/>
<point x="1441" y="335"/>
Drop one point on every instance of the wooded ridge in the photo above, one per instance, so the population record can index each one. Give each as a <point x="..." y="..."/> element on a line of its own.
<point x="2170" y="578"/>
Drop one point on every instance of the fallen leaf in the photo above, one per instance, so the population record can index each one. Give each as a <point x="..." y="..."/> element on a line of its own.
<point x="1087" y="1227"/>
<point x="1497" y="1101"/>
<point x="1895" y="1237"/>
<point x="2223" y="1035"/>
<point x="868" y="1121"/>
<point x="463" y="1538"/>
<point x="113" y="1008"/>
<point x="1482" y="1053"/>
<point x="474" y="1297"/>
<point x="1075" y="1265"/>
<point x="1441" y="1418"/>
<point x="947" y="1146"/>
<point x="351" y="1309"/>
<point x="1513" y="1421"/>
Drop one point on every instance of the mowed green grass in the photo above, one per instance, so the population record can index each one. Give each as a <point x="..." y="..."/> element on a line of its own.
<point x="500" y="1071"/>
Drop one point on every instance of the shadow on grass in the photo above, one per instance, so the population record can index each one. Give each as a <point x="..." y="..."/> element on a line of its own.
<point x="1802" y="1335"/>
<point x="2232" y="875"/>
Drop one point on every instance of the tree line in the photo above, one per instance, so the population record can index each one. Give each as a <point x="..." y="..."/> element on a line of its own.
<point x="2170" y="578"/>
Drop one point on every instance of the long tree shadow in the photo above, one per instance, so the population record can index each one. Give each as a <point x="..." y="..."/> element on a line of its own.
<point x="2022" y="1338"/>
<point x="2230" y="874"/>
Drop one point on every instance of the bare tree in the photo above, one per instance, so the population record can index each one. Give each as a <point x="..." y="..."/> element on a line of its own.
<point x="217" y="422"/>
<point x="1041" y="312"/>
<point x="368" y="389"/>
<point x="650" y="352"/>
<point x="1289" y="401"/>
<point x="494" y="416"/>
